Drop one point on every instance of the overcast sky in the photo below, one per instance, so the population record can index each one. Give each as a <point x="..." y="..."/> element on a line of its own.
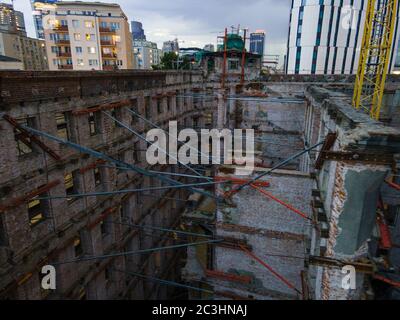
<point x="198" y="22"/>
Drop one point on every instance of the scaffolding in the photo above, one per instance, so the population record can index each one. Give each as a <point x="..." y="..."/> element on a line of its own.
<point x="375" y="52"/>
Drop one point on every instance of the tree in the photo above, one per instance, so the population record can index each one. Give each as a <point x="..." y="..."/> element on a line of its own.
<point x="171" y="61"/>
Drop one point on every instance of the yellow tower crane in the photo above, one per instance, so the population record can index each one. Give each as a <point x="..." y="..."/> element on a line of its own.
<point x="379" y="30"/>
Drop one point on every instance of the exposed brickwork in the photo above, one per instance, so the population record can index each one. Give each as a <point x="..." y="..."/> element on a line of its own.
<point x="25" y="248"/>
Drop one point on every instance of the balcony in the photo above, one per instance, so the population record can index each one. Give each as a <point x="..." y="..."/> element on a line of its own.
<point x="63" y="54"/>
<point x="62" y="41"/>
<point x="110" y="68"/>
<point x="109" y="55"/>
<point x="106" y="30"/>
<point x="65" y="67"/>
<point x="107" y="43"/>
<point x="61" y="29"/>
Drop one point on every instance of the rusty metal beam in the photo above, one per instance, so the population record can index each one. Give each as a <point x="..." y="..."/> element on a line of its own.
<point x="355" y="156"/>
<point x="26" y="134"/>
<point x="328" y="144"/>
<point x="367" y="268"/>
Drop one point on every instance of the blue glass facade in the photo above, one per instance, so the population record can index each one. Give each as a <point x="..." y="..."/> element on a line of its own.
<point x="257" y="43"/>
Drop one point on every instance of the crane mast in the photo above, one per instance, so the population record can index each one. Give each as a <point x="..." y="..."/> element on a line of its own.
<point x="377" y="42"/>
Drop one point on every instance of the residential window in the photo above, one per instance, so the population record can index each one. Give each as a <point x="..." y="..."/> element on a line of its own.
<point x="80" y="62"/>
<point x="93" y="62"/>
<point x="89" y="24"/>
<point x="115" y="25"/>
<point x="36" y="211"/>
<point x="77" y="36"/>
<point x="93" y="125"/>
<point x="71" y="183"/>
<point x="89" y="36"/>
<point x="103" y="24"/>
<point x="24" y="145"/>
<point x="91" y="50"/>
<point x="62" y="126"/>
<point x="78" y="50"/>
<point x="75" y="23"/>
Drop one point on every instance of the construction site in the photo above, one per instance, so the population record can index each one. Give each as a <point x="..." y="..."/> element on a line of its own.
<point x="78" y="194"/>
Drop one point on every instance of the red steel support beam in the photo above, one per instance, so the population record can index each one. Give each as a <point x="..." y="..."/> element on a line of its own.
<point x="225" y="58"/>
<point x="243" y="58"/>
<point x="227" y="276"/>
<point x="393" y="185"/>
<point x="385" y="241"/>
<point x="291" y="208"/>
<point x="388" y="281"/>
<point x="276" y="274"/>
<point x="241" y="181"/>
<point x="120" y="104"/>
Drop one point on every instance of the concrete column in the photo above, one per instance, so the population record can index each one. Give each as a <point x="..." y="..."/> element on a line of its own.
<point x="222" y="108"/>
<point x="355" y="193"/>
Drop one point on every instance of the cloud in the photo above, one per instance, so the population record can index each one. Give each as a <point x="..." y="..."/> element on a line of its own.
<point x="200" y="22"/>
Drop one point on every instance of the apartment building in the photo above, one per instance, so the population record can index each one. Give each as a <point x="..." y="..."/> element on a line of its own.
<point x="15" y="45"/>
<point x="88" y="36"/>
<point x="146" y="54"/>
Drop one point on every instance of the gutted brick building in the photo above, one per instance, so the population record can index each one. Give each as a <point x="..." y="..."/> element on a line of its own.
<point x="76" y="205"/>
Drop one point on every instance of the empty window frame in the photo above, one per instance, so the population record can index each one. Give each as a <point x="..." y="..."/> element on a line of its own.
<point x="106" y="227"/>
<point x="62" y="125"/>
<point x="71" y="185"/>
<point x="134" y="108"/>
<point x="147" y="106"/>
<point x="136" y="152"/>
<point x="233" y="65"/>
<point x="121" y="158"/>
<point x="3" y="236"/>
<point x="93" y="124"/>
<point x="37" y="210"/>
<point x="97" y="177"/>
<point x="159" y="106"/>
<point x="24" y="145"/>
<point x="78" y="247"/>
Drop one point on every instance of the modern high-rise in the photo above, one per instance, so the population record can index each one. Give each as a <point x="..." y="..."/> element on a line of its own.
<point x="41" y="8"/>
<point x="137" y="31"/>
<point x="87" y="36"/>
<point x="325" y="36"/>
<point x="257" y="42"/>
<point x="146" y="54"/>
<point x="171" y="46"/>
<point x="11" y="20"/>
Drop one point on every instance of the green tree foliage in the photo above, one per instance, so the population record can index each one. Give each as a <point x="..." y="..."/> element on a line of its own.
<point x="171" y="61"/>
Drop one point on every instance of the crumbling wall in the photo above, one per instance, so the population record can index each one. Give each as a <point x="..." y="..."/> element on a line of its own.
<point x="276" y="235"/>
